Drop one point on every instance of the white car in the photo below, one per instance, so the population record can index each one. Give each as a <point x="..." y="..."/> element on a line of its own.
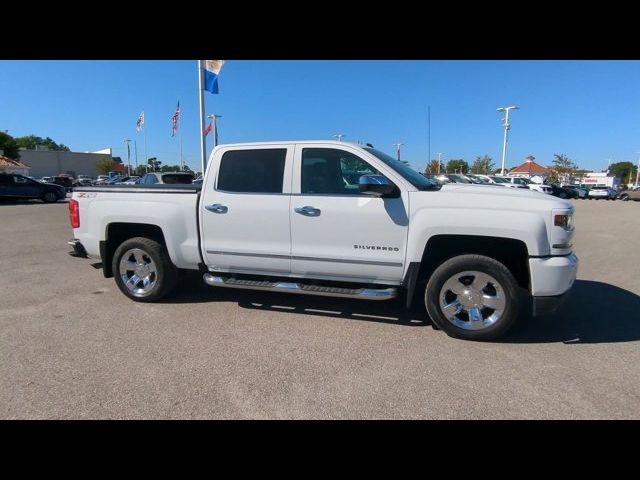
<point x="528" y="183"/>
<point x="279" y="217"/>
<point x="599" y="192"/>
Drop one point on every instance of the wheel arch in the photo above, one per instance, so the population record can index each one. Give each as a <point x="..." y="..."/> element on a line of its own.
<point x="512" y="253"/>
<point x="118" y="232"/>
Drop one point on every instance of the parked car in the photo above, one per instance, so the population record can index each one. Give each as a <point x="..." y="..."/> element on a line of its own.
<point x="599" y="192"/>
<point x="64" y="181"/>
<point x="528" y="183"/>
<point x="84" y="180"/>
<point x="580" y="192"/>
<point x="627" y="195"/>
<point x="198" y="181"/>
<point x="503" y="181"/>
<point x="278" y="217"/>
<point x="166" y="177"/>
<point x="18" y="186"/>
<point x="46" y="180"/>
<point x="562" y="192"/>
<point x="126" y="180"/>
<point x="101" y="180"/>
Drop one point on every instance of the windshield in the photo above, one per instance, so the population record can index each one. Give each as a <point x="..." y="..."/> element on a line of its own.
<point x="414" y="178"/>
<point x="499" y="180"/>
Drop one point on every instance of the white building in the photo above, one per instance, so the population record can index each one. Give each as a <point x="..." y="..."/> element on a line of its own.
<point x="601" y="179"/>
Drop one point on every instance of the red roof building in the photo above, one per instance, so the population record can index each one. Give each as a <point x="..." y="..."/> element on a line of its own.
<point x="530" y="169"/>
<point x="8" y="165"/>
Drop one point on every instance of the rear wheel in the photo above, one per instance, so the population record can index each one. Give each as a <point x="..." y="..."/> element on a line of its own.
<point x="143" y="269"/>
<point x="473" y="297"/>
<point x="624" y="197"/>
<point x="49" y="197"/>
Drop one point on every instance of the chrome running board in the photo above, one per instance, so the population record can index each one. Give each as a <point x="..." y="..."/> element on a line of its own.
<point x="293" y="287"/>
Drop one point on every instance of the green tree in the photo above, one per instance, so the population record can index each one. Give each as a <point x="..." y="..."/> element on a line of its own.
<point x="432" y="167"/>
<point x="9" y="145"/>
<point x="31" y="141"/>
<point x="105" y="165"/>
<point x="457" y="166"/>
<point x="563" y="168"/>
<point x="624" y="170"/>
<point x="154" y="164"/>
<point x="483" y="165"/>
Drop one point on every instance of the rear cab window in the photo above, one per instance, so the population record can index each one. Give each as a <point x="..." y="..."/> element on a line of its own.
<point x="252" y="171"/>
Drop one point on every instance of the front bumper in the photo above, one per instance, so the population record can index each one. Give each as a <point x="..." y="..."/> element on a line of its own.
<point x="78" y="249"/>
<point x="552" y="276"/>
<point x="547" y="305"/>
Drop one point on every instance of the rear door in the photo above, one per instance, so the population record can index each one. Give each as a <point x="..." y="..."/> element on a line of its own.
<point x="245" y="215"/>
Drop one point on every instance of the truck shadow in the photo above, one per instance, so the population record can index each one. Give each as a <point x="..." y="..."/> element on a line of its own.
<point x="594" y="312"/>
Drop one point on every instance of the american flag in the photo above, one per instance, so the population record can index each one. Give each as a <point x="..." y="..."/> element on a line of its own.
<point x="140" y="122"/>
<point x="174" y="120"/>
<point x="208" y="129"/>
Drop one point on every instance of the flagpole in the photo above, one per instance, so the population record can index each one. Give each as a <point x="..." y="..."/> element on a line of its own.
<point x="203" y="144"/>
<point x="146" y="158"/>
<point x="135" y="149"/>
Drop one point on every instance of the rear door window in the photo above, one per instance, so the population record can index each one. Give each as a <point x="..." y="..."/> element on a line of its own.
<point x="252" y="171"/>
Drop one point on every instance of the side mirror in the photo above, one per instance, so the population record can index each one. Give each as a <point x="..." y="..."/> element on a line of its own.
<point x="377" y="186"/>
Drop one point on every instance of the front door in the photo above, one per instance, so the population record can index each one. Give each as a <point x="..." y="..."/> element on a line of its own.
<point x="338" y="232"/>
<point x="245" y="216"/>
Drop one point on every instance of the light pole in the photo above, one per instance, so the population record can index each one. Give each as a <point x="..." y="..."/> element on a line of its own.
<point x="339" y="136"/>
<point x="127" y="142"/>
<point x="439" y="160"/>
<point x="638" y="170"/>
<point x="398" y="145"/>
<point x="214" y="118"/>
<point x="507" y="127"/>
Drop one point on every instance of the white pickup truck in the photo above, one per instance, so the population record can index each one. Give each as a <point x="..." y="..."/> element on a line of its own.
<point x="336" y="219"/>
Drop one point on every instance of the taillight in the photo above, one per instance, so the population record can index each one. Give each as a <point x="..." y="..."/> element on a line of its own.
<point x="74" y="213"/>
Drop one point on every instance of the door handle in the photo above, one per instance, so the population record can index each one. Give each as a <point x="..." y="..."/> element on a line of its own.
<point x="308" y="211"/>
<point x="217" y="208"/>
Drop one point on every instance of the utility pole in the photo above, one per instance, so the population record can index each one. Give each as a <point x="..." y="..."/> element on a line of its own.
<point x="339" y="136"/>
<point x="439" y="160"/>
<point x="127" y="142"/>
<point x="507" y="127"/>
<point x="398" y="145"/>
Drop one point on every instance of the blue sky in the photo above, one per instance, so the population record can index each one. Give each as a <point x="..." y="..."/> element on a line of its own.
<point x="588" y="110"/>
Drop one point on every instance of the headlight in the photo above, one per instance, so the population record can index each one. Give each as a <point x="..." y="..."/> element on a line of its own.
<point x="565" y="221"/>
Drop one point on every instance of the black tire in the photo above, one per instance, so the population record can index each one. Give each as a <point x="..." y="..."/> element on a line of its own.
<point x="624" y="198"/>
<point x="166" y="274"/>
<point x="49" y="197"/>
<point x="479" y="263"/>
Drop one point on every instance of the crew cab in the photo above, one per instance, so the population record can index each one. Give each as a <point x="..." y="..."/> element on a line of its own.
<point x="336" y="219"/>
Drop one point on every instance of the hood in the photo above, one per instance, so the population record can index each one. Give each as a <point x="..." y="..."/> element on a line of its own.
<point x="493" y="197"/>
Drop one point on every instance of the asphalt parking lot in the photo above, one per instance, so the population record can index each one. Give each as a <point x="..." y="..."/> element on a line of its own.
<point x="72" y="346"/>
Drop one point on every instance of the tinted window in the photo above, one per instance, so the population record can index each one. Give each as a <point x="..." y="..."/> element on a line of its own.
<point x="332" y="171"/>
<point x="176" y="178"/>
<point x="252" y="171"/>
<point x="6" y="179"/>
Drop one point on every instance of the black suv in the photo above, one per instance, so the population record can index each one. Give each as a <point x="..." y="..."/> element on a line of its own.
<point x="18" y="186"/>
<point x="63" y="181"/>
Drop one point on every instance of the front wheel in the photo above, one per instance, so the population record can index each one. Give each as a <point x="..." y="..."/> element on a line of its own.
<point x="473" y="297"/>
<point x="143" y="270"/>
<point x="624" y="198"/>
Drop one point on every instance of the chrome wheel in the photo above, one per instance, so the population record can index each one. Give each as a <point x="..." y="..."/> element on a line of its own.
<point x="138" y="272"/>
<point x="472" y="300"/>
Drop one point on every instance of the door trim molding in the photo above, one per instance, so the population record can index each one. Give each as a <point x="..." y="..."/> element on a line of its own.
<point x="310" y="259"/>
